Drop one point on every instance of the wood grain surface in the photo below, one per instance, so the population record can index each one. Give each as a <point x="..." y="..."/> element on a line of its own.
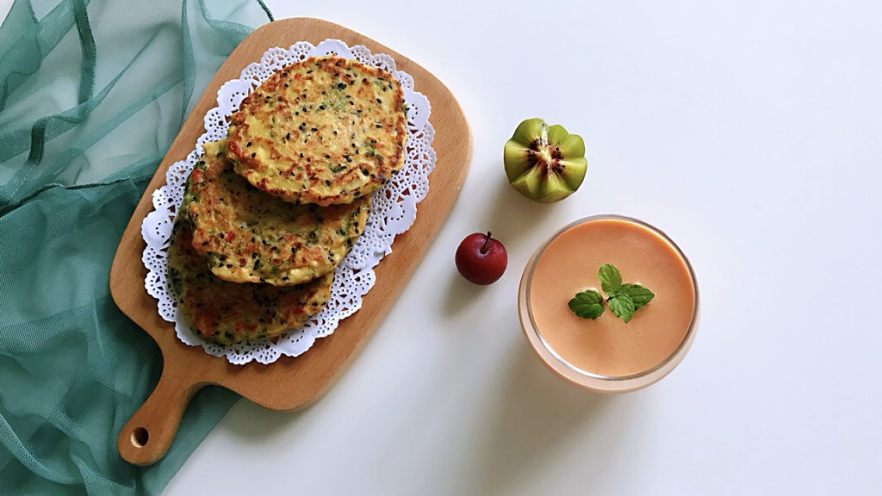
<point x="289" y="383"/>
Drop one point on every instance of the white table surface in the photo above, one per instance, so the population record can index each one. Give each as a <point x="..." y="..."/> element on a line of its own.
<point x="752" y="133"/>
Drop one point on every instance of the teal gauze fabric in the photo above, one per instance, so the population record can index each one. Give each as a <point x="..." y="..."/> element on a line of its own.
<point x="92" y="94"/>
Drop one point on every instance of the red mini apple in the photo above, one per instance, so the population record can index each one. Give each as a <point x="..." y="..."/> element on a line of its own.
<point x="481" y="259"/>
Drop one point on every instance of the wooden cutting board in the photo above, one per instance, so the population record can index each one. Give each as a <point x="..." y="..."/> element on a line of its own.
<point x="289" y="383"/>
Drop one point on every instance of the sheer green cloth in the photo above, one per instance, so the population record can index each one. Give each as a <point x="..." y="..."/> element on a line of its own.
<point x="91" y="95"/>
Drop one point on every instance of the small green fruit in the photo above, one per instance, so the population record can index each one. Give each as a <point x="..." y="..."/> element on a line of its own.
<point x="544" y="163"/>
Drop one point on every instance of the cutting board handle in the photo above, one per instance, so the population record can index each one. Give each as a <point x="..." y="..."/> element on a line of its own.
<point x="149" y="433"/>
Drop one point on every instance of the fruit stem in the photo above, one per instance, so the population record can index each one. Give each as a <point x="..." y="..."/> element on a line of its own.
<point x="486" y="241"/>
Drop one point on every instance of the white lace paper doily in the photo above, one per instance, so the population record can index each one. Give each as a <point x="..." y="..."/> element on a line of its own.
<point x="392" y="213"/>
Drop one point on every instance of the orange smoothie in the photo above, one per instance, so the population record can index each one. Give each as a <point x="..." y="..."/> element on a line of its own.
<point x="607" y="346"/>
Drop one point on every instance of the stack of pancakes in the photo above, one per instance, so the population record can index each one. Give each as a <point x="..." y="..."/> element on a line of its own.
<point x="270" y="211"/>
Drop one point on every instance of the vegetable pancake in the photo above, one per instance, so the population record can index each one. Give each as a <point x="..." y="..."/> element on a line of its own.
<point x="323" y="131"/>
<point x="226" y="312"/>
<point x="249" y="236"/>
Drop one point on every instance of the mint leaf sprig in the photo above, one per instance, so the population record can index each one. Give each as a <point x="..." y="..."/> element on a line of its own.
<point x="587" y="304"/>
<point x="623" y="299"/>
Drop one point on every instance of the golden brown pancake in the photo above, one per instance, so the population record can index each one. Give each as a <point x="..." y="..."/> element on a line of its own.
<point x="323" y="131"/>
<point x="249" y="236"/>
<point x="227" y="313"/>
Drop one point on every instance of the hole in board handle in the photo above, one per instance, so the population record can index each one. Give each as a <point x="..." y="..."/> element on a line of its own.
<point x="140" y="436"/>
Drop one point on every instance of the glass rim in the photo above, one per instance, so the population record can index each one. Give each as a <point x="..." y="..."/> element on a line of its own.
<point x="534" y="329"/>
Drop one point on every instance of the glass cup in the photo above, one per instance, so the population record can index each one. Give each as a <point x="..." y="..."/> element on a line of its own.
<point x="596" y="382"/>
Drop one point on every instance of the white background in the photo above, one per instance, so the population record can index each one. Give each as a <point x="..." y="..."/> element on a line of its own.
<point x="752" y="133"/>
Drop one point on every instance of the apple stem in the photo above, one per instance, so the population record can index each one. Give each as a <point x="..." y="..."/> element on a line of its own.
<point x="486" y="241"/>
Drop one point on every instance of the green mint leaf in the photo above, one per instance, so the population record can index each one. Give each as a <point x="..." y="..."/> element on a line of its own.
<point x="639" y="295"/>
<point x="610" y="278"/>
<point x="587" y="304"/>
<point x="623" y="306"/>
